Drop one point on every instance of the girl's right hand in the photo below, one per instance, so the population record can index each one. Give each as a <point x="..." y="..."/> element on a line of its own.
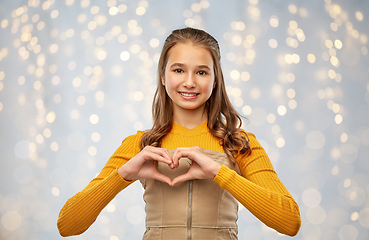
<point x="142" y="166"/>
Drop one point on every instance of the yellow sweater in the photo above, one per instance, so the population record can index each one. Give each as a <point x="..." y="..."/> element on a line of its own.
<point x="258" y="189"/>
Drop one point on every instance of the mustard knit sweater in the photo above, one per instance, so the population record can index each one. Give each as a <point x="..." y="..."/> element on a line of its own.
<point x="258" y="189"/>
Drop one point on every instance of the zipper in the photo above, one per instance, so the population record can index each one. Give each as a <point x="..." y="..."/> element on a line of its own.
<point x="190" y="210"/>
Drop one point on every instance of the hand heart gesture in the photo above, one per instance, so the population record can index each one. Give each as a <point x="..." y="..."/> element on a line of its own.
<point x="202" y="166"/>
<point x="142" y="166"/>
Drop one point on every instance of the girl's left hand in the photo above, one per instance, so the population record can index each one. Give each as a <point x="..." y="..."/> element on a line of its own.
<point x="202" y="167"/>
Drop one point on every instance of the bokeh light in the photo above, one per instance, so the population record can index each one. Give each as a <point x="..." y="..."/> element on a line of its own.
<point x="77" y="77"/>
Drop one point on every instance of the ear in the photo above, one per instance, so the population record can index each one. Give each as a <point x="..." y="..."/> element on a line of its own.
<point x="162" y="80"/>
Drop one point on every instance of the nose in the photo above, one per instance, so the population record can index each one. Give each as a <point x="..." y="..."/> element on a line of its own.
<point x="189" y="81"/>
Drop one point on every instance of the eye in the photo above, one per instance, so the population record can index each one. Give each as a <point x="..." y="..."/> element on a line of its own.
<point x="178" y="70"/>
<point x="201" y="72"/>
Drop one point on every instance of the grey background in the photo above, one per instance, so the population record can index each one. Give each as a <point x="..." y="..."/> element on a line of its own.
<point x="319" y="147"/>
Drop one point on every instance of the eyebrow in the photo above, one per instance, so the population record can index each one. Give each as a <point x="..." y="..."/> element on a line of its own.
<point x="204" y="66"/>
<point x="183" y="65"/>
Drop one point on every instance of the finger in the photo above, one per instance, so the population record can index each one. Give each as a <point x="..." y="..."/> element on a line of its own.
<point x="161" y="177"/>
<point x="175" y="159"/>
<point x="168" y="156"/>
<point x="171" y="165"/>
<point x="182" y="152"/>
<point x="163" y="153"/>
<point x="182" y="178"/>
<point x="178" y="154"/>
<point x="157" y="157"/>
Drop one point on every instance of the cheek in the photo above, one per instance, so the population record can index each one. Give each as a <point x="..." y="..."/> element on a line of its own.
<point x="210" y="86"/>
<point x="172" y="82"/>
<point x="207" y="89"/>
<point x="168" y="84"/>
<point x="170" y="87"/>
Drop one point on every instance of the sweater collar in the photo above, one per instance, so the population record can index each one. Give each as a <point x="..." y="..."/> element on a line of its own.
<point x="179" y="129"/>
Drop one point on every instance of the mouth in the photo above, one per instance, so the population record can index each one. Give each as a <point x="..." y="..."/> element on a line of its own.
<point x="189" y="94"/>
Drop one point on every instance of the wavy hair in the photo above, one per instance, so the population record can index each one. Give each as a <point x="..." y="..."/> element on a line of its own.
<point x="223" y="121"/>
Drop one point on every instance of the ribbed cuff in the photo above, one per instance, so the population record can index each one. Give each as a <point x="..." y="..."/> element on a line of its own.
<point x="118" y="181"/>
<point x="224" y="176"/>
<point x="112" y="185"/>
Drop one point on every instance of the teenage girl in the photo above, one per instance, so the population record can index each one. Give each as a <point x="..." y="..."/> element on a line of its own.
<point x="194" y="162"/>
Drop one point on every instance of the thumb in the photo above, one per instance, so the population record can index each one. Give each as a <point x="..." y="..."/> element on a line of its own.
<point x="182" y="178"/>
<point x="161" y="177"/>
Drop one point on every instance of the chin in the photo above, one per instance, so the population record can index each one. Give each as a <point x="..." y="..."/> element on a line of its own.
<point x="191" y="107"/>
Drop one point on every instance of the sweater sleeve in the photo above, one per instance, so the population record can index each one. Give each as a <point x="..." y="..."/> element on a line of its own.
<point x="261" y="191"/>
<point x="81" y="210"/>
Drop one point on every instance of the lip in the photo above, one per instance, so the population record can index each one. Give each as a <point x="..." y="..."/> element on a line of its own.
<point x="189" y="97"/>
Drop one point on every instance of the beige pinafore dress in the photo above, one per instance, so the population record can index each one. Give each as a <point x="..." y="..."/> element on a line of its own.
<point x="195" y="209"/>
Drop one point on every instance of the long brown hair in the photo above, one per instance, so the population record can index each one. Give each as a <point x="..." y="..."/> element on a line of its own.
<point x="223" y="120"/>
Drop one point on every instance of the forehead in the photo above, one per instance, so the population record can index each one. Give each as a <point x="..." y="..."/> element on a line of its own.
<point x="189" y="53"/>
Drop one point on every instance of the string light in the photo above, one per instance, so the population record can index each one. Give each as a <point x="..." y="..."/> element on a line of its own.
<point x="75" y="76"/>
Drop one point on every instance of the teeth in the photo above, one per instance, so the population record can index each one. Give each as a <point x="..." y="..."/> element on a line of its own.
<point x="189" y="95"/>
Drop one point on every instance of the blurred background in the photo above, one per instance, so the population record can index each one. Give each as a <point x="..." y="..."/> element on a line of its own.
<point x="78" y="76"/>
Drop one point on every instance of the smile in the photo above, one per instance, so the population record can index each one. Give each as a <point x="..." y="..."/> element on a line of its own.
<point x="188" y="94"/>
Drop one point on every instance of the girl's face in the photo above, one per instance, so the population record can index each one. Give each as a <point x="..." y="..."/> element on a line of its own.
<point x="189" y="77"/>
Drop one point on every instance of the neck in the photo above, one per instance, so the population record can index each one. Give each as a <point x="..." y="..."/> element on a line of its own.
<point x="189" y="118"/>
